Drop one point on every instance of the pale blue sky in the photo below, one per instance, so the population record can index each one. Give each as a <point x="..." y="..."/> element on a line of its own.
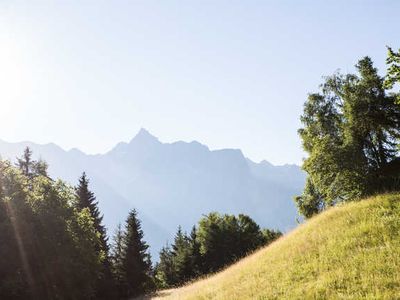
<point x="230" y="74"/>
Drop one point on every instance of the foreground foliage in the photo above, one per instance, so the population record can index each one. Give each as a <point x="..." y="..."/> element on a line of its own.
<point x="348" y="252"/>
<point x="351" y="131"/>
<point x="53" y="244"/>
<point x="46" y="244"/>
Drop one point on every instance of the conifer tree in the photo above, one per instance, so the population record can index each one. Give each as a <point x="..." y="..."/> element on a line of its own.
<point x="117" y="259"/>
<point x="29" y="167"/>
<point x="182" y="256"/>
<point x="136" y="263"/>
<point x="25" y="163"/>
<point x="86" y="199"/>
<point x="165" y="269"/>
<point x="196" y="257"/>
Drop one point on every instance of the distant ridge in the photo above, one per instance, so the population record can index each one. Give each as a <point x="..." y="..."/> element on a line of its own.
<point x="175" y="183"/>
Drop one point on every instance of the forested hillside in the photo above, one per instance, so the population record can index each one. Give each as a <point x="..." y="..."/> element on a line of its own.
<point x="160" y="180"/>
<point x="55" y="245"/>
<point x="269" y="167"/>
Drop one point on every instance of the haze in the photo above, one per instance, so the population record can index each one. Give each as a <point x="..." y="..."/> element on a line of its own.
<point x="89" y="74"/>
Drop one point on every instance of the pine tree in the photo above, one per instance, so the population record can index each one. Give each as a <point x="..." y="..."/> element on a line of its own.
<point x="195" y="254"/>
<point x="117" y="260"/>
<point x="181" y="251"/>
<point x="136" y="261"/>
<point x="86" y="199"/>
<point x="165" y="269"/>
<point x="25" y="163"/>
<point x="31" y="168"/>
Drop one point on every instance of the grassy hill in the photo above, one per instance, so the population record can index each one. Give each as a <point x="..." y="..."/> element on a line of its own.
<point x="348" y="252"/>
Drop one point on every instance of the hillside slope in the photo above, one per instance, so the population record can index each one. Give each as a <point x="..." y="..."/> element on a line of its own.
<point x="348" y="252"/>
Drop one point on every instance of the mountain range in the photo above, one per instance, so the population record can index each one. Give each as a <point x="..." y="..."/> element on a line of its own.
<point x="172" y="184"/>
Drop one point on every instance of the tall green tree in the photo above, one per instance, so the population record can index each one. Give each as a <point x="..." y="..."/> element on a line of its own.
<point x="181" y="262"/>
<point x="117" y="260"/>
<point x="86" y="200"/>
<point x="213" y="239"/>
<point x="350" y="131"/>
<point x="182" y="257"/>
<point x="250" y="236"/>
<point x="165" y="274"/>
<point x="196" y="259"/>
<point x="136" y="263"/>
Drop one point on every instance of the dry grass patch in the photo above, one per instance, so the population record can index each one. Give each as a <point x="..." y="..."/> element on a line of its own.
<point x="347" y="252"/>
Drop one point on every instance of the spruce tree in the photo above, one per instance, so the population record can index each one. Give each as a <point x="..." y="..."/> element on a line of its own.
<point x="86" y="199"/>
<point x="195" y="254"/>
<point x="165" y="269"/>
<point x="136" y="263"/>
<point x="117" y="260"/>
<point x="182" y="258"/>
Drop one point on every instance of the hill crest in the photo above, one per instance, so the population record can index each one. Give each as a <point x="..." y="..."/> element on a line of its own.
<point x="347" y="252"/>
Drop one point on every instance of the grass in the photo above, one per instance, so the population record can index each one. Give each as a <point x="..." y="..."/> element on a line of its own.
<point x="347" y="252"/>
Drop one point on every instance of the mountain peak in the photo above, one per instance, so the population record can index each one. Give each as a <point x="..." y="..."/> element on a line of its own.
<point x="144" y="136"/>
<point x="143" y="131"/>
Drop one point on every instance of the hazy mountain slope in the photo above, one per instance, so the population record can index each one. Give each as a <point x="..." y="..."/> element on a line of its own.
<point x="175" y="184"/>
<point x="348" y="252"/>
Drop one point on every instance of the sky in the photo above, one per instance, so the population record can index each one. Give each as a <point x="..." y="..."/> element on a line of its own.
<point x="229" y="74"/>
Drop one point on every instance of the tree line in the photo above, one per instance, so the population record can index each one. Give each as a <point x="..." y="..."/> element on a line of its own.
<point x="218" y="241"/>
<point x="54" y="245"/>
<point x="351" y="132"/>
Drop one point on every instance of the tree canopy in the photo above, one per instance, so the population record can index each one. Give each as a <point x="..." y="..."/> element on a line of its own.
<point x="53" y="242"/>
<point x="47" y="245"/>
<point x="351" y="131"/>
<point x="393" y="71"/>
<point x="217" y="241"/>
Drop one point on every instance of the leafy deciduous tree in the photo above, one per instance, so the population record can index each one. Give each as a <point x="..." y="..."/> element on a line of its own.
<point x="350" y="131"/>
